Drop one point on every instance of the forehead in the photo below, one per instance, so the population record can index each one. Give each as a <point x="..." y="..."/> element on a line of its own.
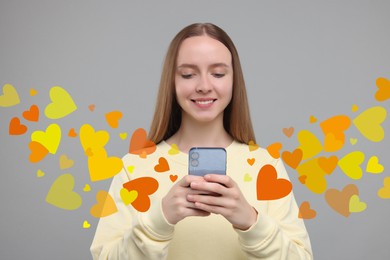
<point x="203" y="50"/>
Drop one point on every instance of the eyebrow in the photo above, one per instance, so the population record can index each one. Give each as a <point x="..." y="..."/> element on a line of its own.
<point x="193" y="66"/>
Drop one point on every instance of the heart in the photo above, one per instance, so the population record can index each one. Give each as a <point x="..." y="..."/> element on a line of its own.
<point x="173" y="178"/>
<point x="162" y="165"/>
<point x="384" y="192"/>
<point x="247" y="177"/>
<point x="274" y="150"/>
<point x="16" y="128"/>
<point x="354" y="108"/>
<point x="72" y="133"/>
<point x="252" y="146"/>
<point x="130" y="168"/>
<point x="50" y="138"/>
<point x="288" y="131"/>
<point x="105" y="205"/>
<point x="353" y="141"/>
<point x="33" y="92"/>
<point x="139" y="144"/>
<point x="251" y="161"/>
<point x="87" y="188"/>
<point x="383" y="92"/>
<point x="350" y="164"/>
<point x="369" y="123"/>
<point x="86" y="224"/>
<point x="91" y="139"/>
<point x="328" y="164"/>
<point x="65" y="162"/>
<point x="309" y="144"/>
<point x="128" y="196"/>
<point x="38" y="152"/>
<point x="313" y="119"/>
<point x="355" y="205"/>
<point x="305" y="212"/>
<point x="292" y="159"/>
<point x="312" y="175"/>
<point x="32" y="114"/>
<point x="333" y="129"/>
<point x="174" y="149"/>
<point x="339" y="201"/>
<point x="113" y="118"/>
<point x="61" y="193"/>
<point x="269" y="187"/>
<point x="91" y="107"/>
<point x="102" y="167"/>
<point x="145" y="186"/>
<point x="40" y="173"/>
<point x="123" y="136"/>
<point x="62" y="104"/>
<point x="373" y="165"/>
<point x="10" y="96"/>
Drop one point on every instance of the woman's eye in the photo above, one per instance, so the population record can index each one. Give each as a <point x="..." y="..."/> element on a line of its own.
<point x="186" y="76"/>
<point x="218" y="75"/>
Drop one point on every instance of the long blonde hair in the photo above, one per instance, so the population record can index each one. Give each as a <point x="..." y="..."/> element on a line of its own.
<point x="167" y="115"/>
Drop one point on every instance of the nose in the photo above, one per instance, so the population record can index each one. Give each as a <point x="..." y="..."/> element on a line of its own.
<point x="204" y="85"/>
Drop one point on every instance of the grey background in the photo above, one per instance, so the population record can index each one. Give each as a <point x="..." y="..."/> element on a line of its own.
<point x="300" y="58"/>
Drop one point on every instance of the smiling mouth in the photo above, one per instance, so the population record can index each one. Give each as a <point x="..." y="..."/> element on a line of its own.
<point x="203" y="102"/>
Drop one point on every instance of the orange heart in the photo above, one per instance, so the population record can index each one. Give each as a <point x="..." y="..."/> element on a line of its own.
<point x="162" y="165"/>
<point x="38" y="152"/>
<point x="105" y="205"/>
<point x="113" y="118"/>
<point x="288" y="131"/>
<point x="339" y="201"/>
<point x="313" y="119"/>
<point x="383" y="92"/>
<point x="91" y="107"/>
<point x="292" y="159"/>
<point x="16" y="128"/>
<point x="269" y="187"/>
<point x="145" y="186"/>
<point x="274" y="150"/>
<point x="332" y="144"/>
<point x="328" y="164"/>
<point x="251" y="161"/>
<point x="302" y="179"/>
<point x="333" y="129"/>
<point x="139" y="144"/>
<point x="32" y="114"/>
<point x="173" y="177"/>
<point x="305" y="212"/>
<point x="72" y="133"/>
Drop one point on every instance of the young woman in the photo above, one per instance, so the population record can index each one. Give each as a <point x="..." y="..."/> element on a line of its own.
<point x="202" y="102"/>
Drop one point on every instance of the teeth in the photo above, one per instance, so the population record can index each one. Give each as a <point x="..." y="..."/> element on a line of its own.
<point x="205" y="102"/>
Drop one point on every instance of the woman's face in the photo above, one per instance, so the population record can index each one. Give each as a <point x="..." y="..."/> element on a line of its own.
<point x="204" y="79"/>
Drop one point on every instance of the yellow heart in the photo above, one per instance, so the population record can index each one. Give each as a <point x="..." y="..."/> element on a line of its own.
<point x="61" y="193"/>
<point x="355" y="108"/>
<point x="384" y="192"/>
<point x="10" y="97"/>
<point x="350" y="164"/>
<point x="309" y="144"/>
<point x="91" y="140"/>
<point x="313" y="119"/>
<point x="105" y="205"/>
<point x="373" y="165"/>
<point x="33" y="92"/>
<point x="128" y="196"/>
<point x="50" y="139"/>
<point x="174" y="149"/>
<point x="369" y="123"/>
<point x="123" y="136"/>
<point x="40" y="174"/>
<point x="314" y="174"/>
<point x="62" y="103"/>
<point x="247" y="177"/>
<point x="130" y="168"/>
<point x="355" y="205"/>
<point x="65" y="162"/>
<point x="102" y="167"/>
<point x="86" y="224"/>
<point x="253" y="146"/>
<point x="87" y="188"/>
<point x="353" y="141"/>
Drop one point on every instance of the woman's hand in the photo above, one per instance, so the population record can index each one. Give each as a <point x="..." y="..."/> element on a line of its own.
<point x="230" y="203"/>
<point x="175" y="205"/>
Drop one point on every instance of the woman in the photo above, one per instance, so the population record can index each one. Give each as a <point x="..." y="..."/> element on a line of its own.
<point x="202" y="102"/>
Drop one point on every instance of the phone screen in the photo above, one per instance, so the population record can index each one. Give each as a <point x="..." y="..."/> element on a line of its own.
<point x="206" y="160"/>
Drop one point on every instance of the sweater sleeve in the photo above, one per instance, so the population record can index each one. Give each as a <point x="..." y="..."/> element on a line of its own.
<point x="128" y="234"/>
<point x="278" y="233"/>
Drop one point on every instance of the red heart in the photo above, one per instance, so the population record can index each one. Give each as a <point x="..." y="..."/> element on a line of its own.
<point x="269" y="187"/>
<point x="145" y="186"/>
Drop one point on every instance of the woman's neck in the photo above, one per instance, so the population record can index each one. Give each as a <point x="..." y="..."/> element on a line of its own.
<point x="195" y="134"/>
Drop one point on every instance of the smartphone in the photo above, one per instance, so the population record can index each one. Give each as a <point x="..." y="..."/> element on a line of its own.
<point x="205" y="160"/>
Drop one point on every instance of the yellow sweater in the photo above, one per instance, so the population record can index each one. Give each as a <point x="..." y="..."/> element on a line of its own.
<point x="129" y="234"/>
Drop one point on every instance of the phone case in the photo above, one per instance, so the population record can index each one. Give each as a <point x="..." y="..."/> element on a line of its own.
<point x="204" y="160"/>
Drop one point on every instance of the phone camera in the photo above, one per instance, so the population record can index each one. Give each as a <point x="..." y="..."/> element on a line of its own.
<point x="194" y="155"/>
<point x="194" y="163"/>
